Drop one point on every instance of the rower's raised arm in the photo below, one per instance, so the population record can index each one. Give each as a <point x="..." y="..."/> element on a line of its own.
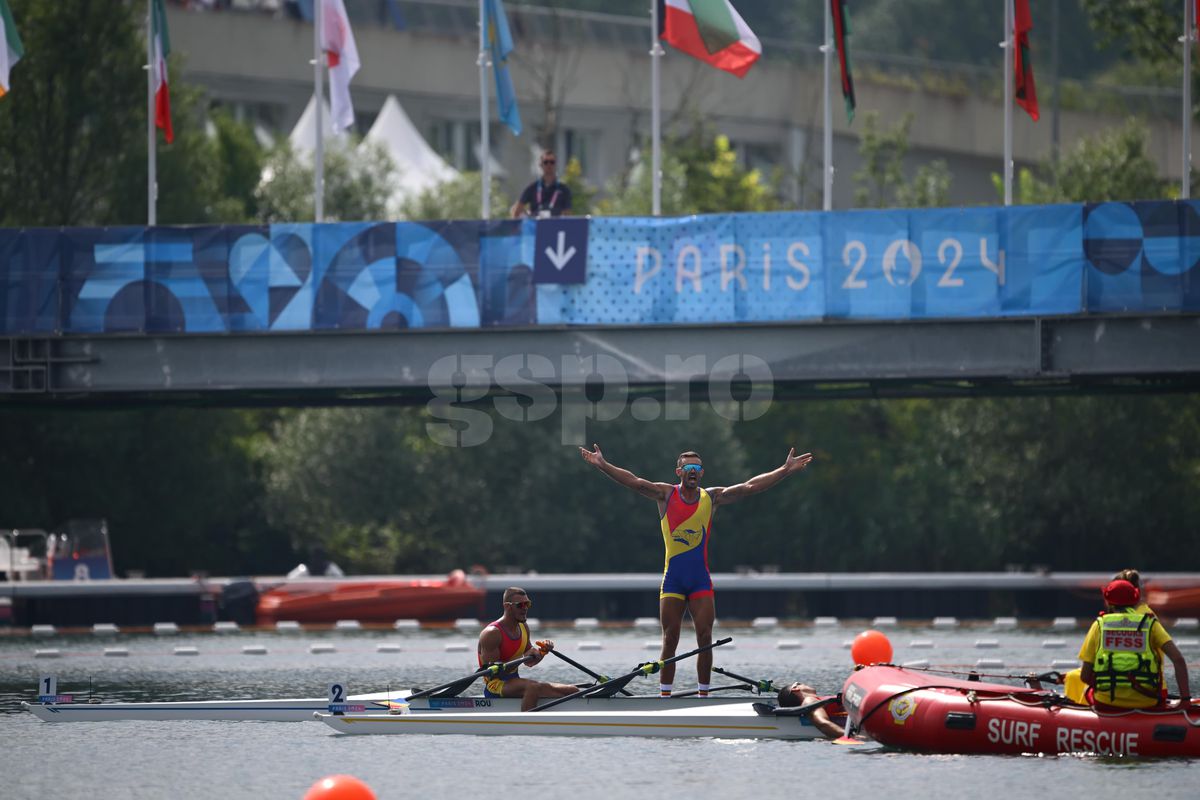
<point x="724" y="495"/>
<point x="650" y="489"/>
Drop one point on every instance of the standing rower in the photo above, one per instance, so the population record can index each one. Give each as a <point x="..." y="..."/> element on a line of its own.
<point x="685" y="514"/>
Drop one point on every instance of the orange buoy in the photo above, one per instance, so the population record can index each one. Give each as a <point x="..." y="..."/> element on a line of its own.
<point x="871" y="647"/>
<point x="339" y="787"/>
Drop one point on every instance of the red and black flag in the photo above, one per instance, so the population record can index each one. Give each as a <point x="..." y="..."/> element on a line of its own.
<point x="841" y="29"/>
<point x="1026" y="92"/>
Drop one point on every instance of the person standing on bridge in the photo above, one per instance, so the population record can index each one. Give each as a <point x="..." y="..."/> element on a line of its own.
<point x="545" y="197"/>
<point x="685" y="514"/>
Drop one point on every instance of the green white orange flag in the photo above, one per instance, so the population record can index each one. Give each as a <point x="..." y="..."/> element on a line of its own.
<point x="710" y="30"/>
<point x="10" y="47"/>
<point x="162" y="92"/>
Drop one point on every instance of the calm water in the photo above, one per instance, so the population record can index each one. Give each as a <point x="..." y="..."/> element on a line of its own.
<point x="281" y="760"/>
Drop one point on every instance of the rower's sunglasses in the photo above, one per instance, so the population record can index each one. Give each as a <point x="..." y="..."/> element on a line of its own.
<point x="548" y="162"/>
<point x="521" y="604"/>
<point x="692" y="468"/>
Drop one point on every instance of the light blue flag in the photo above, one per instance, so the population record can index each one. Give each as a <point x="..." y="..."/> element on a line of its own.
<point x="500" y="39"/>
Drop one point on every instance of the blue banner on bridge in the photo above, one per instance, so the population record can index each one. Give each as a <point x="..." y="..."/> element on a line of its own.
<point x="788" y="266"/>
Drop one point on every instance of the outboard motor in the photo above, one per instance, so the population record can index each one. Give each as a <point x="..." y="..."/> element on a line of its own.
<point x="239" y="602"/>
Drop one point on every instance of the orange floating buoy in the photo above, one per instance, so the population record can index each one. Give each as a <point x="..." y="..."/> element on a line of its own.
<point x="871" y="647"/>
<point x="339" y="787"/>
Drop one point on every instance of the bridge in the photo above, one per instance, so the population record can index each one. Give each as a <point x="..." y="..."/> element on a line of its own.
<point x="629" y="311"/>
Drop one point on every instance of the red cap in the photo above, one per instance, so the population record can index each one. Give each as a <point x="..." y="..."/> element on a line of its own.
<point x="1121" y="593"/>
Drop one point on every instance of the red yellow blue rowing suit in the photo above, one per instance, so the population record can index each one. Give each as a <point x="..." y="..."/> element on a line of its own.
<point x="685" y="529"/>
<point x="510" y="648"/>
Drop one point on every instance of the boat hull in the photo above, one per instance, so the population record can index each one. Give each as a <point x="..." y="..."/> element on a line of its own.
<point x="730" y="721"/>
<point x="302" y="709"/>
<point x="934" y="714"/>
<point x="369" y="601"/>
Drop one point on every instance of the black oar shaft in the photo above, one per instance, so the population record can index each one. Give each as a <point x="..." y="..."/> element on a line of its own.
<point x="585" y="670"/>
<point x="467" y="679"/>
<point x="641" y="670"/>
<point x="758" y="685"/>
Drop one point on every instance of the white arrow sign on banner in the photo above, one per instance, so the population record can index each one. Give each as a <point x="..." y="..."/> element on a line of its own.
<point x="560" y="259"/>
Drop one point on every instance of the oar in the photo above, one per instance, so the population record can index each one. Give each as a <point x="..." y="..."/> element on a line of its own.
<point x="730" y="687"/>
<point x="762" y="687"/>
<point x="613" y="685"/>
<point x="462" y="683"/>
<point x="586" y="671"/>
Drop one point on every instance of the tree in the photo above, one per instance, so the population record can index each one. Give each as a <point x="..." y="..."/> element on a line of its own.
<point x="701" y="175"/>
<point x="72" y="131"/>
<point x="881" y="181"/>
<point x="357" y="185"/>
<point x="457" y="198"/>
<point x="1112" y="165"/>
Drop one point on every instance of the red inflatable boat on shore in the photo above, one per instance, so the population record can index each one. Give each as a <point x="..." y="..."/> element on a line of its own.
<point x="917" y="710"/>
<point x="318" y="600"/>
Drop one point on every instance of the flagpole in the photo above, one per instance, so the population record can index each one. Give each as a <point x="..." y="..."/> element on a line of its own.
<point x="656" y="52"/>
<point x="827" y="49"/>
<point x="319" y="101"/>
<point x="1185" y="182"/>
<point x="485" y="135"/>
<point x="151" y="139"/>
<point x="1009" y="66"/>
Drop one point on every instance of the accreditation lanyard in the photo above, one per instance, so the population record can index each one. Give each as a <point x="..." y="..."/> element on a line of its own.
<point x="553" y="197"/>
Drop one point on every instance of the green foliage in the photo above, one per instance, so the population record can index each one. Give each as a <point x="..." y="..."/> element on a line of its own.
<point x="72" y="130"/>
<point x="179" y="487"/>
<point x="1112" y="165"/>
<point x="357" y="185"/>
<point x="701" y="175"/>
<point x="880" y="181"/>
<point x="455" y="199"/>
<point x="583" y="194"/>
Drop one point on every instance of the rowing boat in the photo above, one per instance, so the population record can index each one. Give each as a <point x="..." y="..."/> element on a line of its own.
<point x="738" y="720"/>
<point x="299" y="709"/>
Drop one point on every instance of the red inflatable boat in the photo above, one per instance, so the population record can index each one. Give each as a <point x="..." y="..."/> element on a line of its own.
<point x="916" y="710"/>
<point x="316" y="600"/>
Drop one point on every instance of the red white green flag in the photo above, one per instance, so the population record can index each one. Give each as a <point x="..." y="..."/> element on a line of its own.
<point x="162" y="49"/>
<point x="1026" y="91"/>
<point x="10" y="47"/>
<point x="710" y="30"/>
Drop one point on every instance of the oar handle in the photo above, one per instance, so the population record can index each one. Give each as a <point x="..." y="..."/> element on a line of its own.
<point x="760" y="686"/>
<point x="490" y="669"/>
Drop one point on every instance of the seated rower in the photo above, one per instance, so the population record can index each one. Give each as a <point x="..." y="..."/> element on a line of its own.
<point x="508" y="638"/>
<point x="1123" y="655"/>
<point x="800" y="695"/>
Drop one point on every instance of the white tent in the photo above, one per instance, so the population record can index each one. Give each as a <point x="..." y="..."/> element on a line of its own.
<point x="419" y="167"/>
<point x="304" y="136"/>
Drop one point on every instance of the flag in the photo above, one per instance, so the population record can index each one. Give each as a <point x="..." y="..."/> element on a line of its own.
<point x="341" y="52"/>
<point x="1026" y="92"/>
<point x="710" y="30"/>
<point x="841" y="29"/>
<point x="162" y="49"/>
<point x="499" y="39"/>
<point x="10" y="47"/>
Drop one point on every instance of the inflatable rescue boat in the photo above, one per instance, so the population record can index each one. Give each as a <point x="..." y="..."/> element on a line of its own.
<point x="917" y="710"/>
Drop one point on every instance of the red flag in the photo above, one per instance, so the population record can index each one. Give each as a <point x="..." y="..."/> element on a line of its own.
<point x="841" y="29"/>
<point x="1026" y="92"/>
